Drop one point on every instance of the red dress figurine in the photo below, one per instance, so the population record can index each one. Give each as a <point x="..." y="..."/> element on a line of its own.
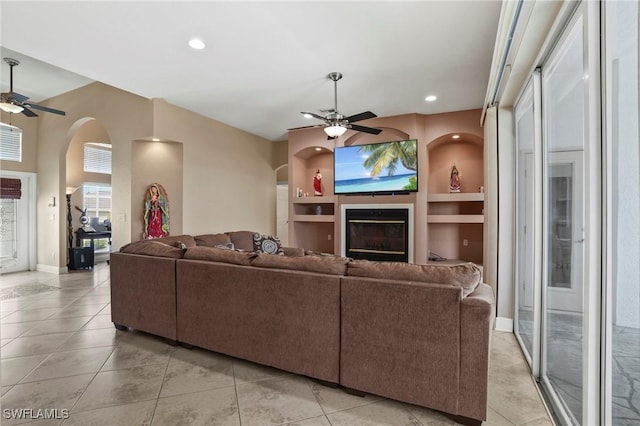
<point x="317" y="184"/>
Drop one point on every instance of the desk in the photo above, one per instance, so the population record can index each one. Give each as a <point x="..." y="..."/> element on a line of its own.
<point x="82" y="235"/>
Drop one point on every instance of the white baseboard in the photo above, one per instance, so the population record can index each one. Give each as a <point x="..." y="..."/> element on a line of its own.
<point x="51" y="269"/>
<point x="504" y="324"/>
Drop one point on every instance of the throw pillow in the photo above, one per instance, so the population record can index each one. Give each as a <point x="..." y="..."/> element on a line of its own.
<point x="268" y="244"/>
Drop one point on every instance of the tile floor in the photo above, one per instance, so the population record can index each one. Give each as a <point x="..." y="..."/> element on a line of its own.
<point x="61" y="352"/>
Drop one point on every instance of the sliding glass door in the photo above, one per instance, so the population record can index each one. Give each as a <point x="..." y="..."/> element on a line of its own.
<point x="577" y="213"/>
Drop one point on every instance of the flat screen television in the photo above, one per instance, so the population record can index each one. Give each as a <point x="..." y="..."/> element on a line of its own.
<point x="378" y="168"/>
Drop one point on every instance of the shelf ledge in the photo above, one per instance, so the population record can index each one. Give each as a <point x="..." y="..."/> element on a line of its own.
<point x="455" y="218"/>
<point x="314" y="218"/>
<point x="455" y="197"/>
<point x="326" y="199"/>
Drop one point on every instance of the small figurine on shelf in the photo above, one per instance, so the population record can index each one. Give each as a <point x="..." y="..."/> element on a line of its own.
<point x="317" y="184"/>
<point x="454" y="180"/>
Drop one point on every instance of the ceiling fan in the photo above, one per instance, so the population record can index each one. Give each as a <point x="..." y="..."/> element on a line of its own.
<point x="15" y="102"/>
<point x="335" y="123"/>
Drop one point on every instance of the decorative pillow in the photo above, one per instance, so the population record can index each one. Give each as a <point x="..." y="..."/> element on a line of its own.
<point x="211" y="240"/>
<point x="268" y="244"/>
<point x="465" y="275"/>
<point x="333" y="265"/>
<point x="219" y="255"/>
<point x="153" y="248"/>
<point x="242" y="240"/>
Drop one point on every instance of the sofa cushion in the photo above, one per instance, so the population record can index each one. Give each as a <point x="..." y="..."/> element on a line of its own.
<point x="267" y="244"/>
<point x="242" y="240"/>
<point x="175" y="240"/>
<point x="153" y="248"/>
<point x="317" y="253"/>
<point x="331" y="265"/>
<point x="211" y="240"/>
<point x="465" y="275"/>
<point x="293" y="251"/>
<point x="219" y="255"/>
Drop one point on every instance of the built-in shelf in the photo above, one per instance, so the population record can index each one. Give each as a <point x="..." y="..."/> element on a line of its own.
<point x="455" y="197"/>
<point x="313" y="218"/>
<point x="455" y="218"/>
<point x="326" y="199"/>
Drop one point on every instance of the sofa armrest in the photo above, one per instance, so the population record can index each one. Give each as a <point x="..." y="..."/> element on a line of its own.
<point x="477" y="313"/>
<point x="481" y="296"/>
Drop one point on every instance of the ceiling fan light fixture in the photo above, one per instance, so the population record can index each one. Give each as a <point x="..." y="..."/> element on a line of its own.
<point x="335" y="131"/>
<point x="9" y="107"/>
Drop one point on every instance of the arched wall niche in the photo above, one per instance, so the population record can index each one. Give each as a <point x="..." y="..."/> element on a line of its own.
<point x="466" y="152"/>
<point x="157" y="162"/>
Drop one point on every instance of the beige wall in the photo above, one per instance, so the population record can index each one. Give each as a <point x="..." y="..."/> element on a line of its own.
<point x="218" y="178"/>
<point x="125" y="117"/>
<point x="229" y="181"/>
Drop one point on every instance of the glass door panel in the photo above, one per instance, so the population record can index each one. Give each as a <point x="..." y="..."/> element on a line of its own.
<point x="564" y="104"/>
<point x="622" y="390"/>
<point x="527" y="290"/>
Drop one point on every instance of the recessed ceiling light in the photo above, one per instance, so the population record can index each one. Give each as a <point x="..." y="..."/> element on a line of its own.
<point x="196" y="43"/>
<point x="431" y="98"/>
<point x="318" y="148"/>
<point x="155" y="139"/>
<point x="307" y="115"/>
<point x="455" y="137"/>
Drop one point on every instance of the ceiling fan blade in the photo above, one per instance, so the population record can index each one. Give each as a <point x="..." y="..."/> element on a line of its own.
<point x="45" y="109"/>
<point x="319" y="117"/>
<point x="364" y="129"/>
<point x="359" y="117"/>
<point x="29" y="113"/>
<point x="15" y="96"/>
<point x="306" y="127"/>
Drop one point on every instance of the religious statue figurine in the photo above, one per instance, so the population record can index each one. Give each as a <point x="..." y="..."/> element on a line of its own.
<point x="454" y="180"/>
<point x="156" y="213"/>
<point x="317" y="184"/>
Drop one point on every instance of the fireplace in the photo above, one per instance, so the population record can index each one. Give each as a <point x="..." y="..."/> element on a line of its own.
<point x="381" y="233"/>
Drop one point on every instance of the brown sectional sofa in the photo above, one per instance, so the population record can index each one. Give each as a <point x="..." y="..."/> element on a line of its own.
<point x="401" y="331"/>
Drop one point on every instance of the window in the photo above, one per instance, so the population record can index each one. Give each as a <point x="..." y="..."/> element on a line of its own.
<point x="97" y="158"/>
<point x="97" y="200"/>
<point x="10" y="143"/>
